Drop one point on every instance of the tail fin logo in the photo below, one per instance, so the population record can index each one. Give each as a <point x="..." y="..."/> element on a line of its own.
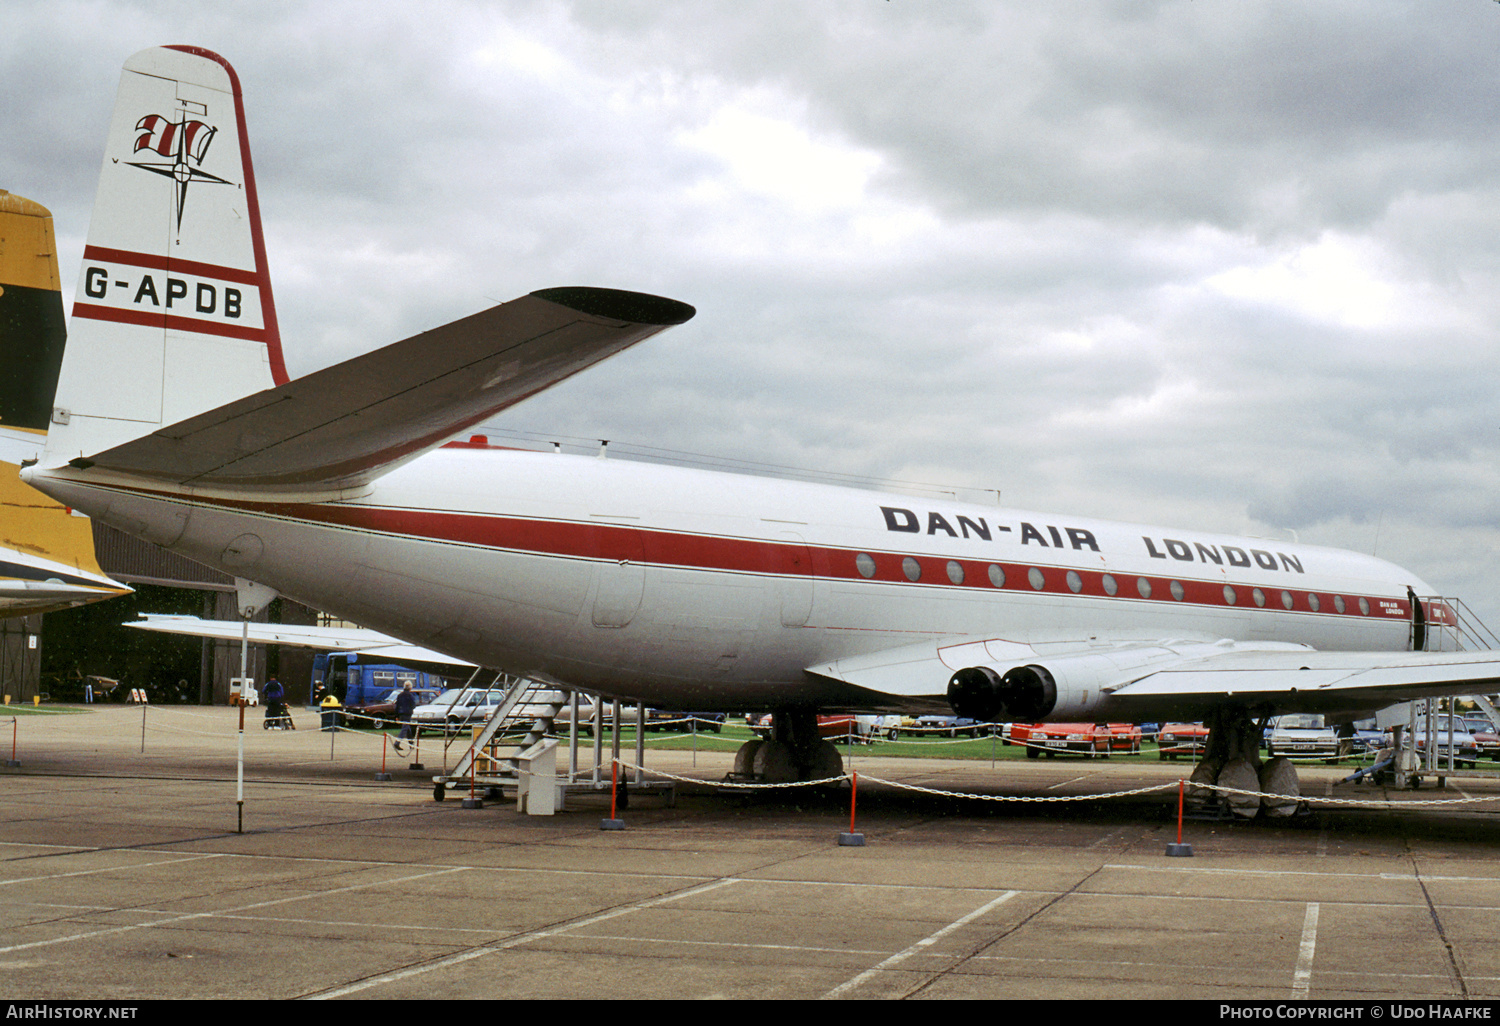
<point x="185" y="143"/>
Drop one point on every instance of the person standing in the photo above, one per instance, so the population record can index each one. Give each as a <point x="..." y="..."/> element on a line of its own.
<point x="406" y="702"/>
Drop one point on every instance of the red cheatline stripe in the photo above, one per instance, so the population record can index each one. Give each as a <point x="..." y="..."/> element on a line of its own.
<point x="152" y="319"/>
<point x="158" y="262"/>
<point x="744" y="555"/>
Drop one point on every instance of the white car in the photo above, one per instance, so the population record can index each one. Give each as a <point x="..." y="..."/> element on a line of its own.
<point x="1307" y="736"/>
<point x="455" y="707"/>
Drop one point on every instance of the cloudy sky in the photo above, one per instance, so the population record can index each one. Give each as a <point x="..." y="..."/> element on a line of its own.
<point x="1227" y="265"/>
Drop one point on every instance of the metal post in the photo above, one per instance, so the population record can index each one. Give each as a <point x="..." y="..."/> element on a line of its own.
<point x="640" y="739"/>
<point x="614" y="744"/>
<point x="573" y="737"/>
<point x="598" y="736"/>
<point x="239" y="785"/>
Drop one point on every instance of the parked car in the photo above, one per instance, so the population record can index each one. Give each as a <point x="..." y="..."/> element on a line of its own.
<point x="1125" y="737"/>
<point x="1176" y="739"/>
<point x="1086" y="739"/>
<point x="949" y="726"/>
<point x="683" y="722"/>
<point x="1368" y="737"/>
<point x="831" y="726"/>
<point x="1460" y="744"/>
<point x="1307" y="736"/>
<point x="1486" y="738"/>
<point x="453" y="708"/>
<point x="383" y="713"/>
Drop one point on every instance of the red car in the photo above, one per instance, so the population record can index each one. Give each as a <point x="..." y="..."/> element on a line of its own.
<point x="1125" y="737"/>
<point x="1181" y="739"/>
<point x="1086" y="739"/>
<point x="831" y="726"/>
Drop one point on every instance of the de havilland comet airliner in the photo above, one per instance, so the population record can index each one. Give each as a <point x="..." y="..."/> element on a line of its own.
<point x="175" y="421"/>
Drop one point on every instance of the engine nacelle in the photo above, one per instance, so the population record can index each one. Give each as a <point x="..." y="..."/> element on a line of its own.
<point x="1023" y="694"/>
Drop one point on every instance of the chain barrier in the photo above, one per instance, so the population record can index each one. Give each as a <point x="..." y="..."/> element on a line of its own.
<point x="1369" y="803"/>
<point x="1166" y="786"/>
<point x="372" y="733"/>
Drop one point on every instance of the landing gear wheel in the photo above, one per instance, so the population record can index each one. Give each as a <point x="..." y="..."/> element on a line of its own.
<point x="438" y="792"/>
<point x="744" y="759"/>
<point x="827" y="763"/>
<point x="774" y="763"/>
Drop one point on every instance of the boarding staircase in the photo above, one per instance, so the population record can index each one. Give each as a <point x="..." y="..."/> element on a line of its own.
<point x="1451" y="627"/>
<point x="1456" y="628"/>
<point x="517" y="745"/>
<point x="522" y="720"/>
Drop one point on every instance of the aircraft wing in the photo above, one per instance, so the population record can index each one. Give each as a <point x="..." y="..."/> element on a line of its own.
<point x="1136" y="679"/>
<point x="332" y="639"/>
<point x="347" y="424"/>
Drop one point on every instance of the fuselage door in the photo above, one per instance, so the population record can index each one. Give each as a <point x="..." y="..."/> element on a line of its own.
<point x="1418" y="622"/>
<point x="789" y="558"/>
<point x="621" y="576"/>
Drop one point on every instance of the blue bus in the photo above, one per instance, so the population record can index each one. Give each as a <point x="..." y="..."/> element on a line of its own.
<point x="359" y="684"/>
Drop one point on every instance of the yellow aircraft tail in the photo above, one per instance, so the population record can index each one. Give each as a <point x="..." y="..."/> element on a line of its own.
<point x="47" y="556"/>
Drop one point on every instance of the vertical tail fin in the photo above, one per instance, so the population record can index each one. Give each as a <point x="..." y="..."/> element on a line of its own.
<point x="173" y="312"/>
<point x="46" y="554"/>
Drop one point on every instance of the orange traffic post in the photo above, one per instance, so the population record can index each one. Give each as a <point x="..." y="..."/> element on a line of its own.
<point x="613" y="822"/>
<point x="852" y="839"/>
<point x="1180" y="850"/>
<point x="384" y="745"/>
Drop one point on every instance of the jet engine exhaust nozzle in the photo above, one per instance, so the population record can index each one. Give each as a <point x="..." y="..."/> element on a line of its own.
<point x="1023" y="694"/>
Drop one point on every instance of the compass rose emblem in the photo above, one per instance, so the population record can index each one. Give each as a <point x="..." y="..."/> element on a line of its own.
<point x="184" y="143"/>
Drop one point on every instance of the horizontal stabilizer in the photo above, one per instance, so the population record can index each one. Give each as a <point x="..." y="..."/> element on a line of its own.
<point x="348" y="424"/>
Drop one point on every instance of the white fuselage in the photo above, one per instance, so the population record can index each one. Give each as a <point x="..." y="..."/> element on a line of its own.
<point x="693" y="589"/>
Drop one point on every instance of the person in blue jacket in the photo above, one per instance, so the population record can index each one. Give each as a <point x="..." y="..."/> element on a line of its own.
<point x="277" y="715"/>
<point x="406" y="702"/>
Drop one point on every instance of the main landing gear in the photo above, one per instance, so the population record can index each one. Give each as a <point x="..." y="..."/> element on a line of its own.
<point x="794" y="752"/>
<point x="1232" y="759"/>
